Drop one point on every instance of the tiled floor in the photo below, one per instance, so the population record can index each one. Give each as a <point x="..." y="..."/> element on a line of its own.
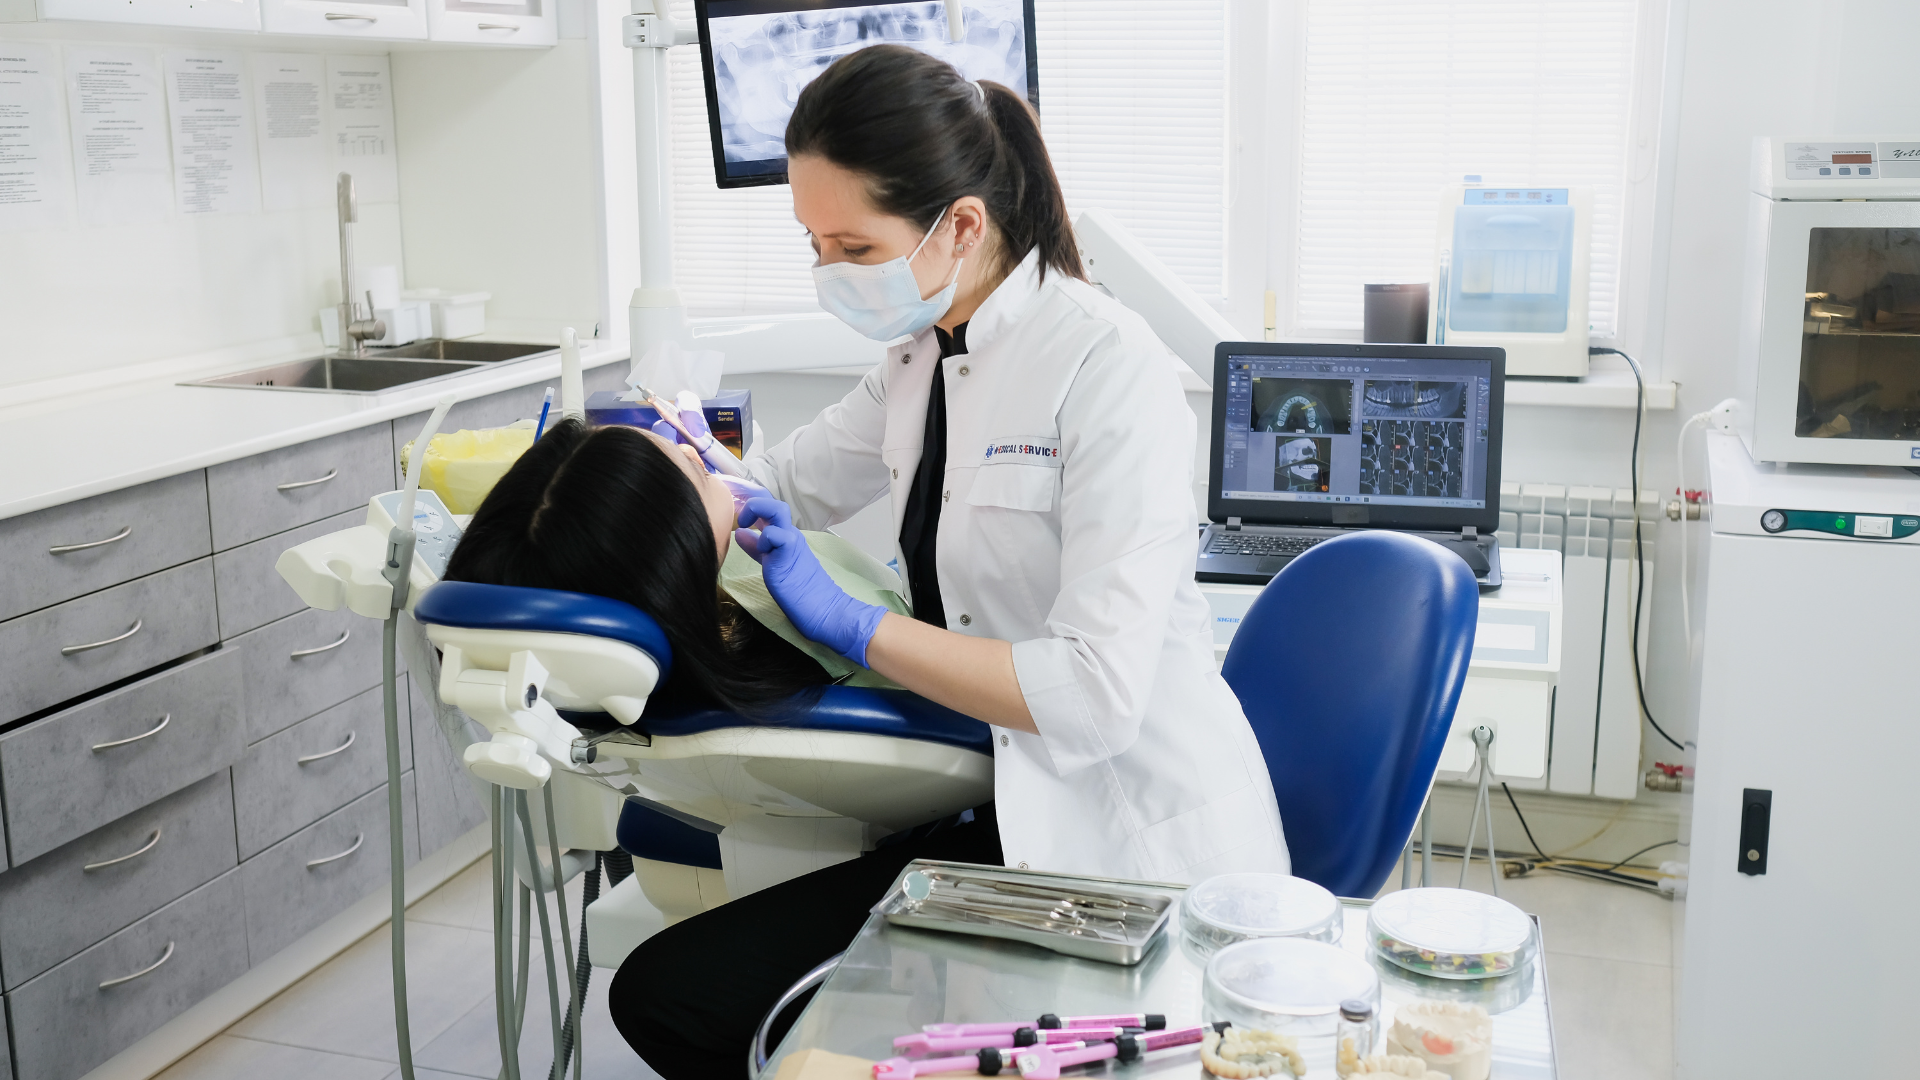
<point x="337" y="1023"/>
<point x="1609" y="957"/>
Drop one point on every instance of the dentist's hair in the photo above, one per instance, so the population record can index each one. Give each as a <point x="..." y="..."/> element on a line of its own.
<point x="923" y="136"/>
<point x="606" y="511"/>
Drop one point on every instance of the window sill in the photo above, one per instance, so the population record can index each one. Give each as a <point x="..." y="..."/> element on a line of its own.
<point x="1608" y="388"/>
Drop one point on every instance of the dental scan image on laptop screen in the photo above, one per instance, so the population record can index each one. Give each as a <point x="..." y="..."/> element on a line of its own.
<point x="761" y="53"/>
<point x="1408" y="432"/>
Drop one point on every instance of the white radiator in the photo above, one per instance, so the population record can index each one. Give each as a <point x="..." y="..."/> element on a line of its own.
<point x="1595" y="746"/>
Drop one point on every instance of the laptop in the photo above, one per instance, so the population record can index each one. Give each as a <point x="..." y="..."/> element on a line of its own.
<point x="1312" y="441"/>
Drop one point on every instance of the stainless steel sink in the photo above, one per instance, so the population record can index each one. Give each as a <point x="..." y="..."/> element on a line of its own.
<point x="380" y="369"/>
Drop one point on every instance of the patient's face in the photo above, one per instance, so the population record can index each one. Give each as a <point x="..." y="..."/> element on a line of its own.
<point x="714" y="495"/>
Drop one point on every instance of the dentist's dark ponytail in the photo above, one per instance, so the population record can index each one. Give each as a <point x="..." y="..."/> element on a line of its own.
<point x="924" y="136"/>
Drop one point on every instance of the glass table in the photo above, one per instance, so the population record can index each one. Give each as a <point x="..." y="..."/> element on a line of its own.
<point x="893" y="979"/>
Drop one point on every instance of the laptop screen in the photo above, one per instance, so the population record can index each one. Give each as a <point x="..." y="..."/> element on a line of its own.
<point x="1413" y="439"/>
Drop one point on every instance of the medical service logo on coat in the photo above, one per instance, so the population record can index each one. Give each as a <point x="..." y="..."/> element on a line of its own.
<point x="1024" y="452"/>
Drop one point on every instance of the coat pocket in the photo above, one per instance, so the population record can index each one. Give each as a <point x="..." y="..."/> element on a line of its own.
<point x="1015" y="487"/>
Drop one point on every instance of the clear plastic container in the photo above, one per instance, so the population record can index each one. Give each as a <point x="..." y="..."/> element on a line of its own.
<point x="1451" y="933"/>
<point x="1240" y="907"/>
<point x="1293" y="986"/>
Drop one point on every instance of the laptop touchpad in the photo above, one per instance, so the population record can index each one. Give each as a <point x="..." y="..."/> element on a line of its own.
<point x="1272" y="564"/>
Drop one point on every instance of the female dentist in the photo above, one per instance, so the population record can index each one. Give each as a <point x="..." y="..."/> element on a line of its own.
<point x="1037" y="446"/>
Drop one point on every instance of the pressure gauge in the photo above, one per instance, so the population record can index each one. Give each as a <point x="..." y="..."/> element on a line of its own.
<point x="1773" y="521"/>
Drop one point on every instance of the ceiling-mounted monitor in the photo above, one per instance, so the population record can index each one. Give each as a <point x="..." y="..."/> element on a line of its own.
<point x="759" y="55"/>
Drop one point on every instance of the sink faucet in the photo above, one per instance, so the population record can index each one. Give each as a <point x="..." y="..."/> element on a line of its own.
<point x="354" y="332"/>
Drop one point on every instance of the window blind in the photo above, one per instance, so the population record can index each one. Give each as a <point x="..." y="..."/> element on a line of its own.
<point x="1403" y="97"/>
<point x="1133" y="104"/>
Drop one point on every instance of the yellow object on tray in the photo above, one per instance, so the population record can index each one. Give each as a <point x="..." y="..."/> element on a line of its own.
<point x="462" y="466"/>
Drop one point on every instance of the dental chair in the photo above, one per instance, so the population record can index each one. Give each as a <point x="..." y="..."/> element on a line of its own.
<point x="711" y="806"/>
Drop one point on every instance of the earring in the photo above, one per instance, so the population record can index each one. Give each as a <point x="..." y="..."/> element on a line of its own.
<point x="959" y="249"/>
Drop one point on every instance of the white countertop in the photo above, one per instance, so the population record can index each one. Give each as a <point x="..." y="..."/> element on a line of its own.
<point x="118" y="434"/>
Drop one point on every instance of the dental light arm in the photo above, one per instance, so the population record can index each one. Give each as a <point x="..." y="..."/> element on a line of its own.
<point x="1185" y="322"/>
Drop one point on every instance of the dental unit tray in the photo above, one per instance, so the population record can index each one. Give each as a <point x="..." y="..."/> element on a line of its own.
<point x="1083" y="917"/>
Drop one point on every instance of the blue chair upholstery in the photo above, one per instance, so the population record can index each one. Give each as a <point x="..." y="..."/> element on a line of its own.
<point x="860" y="710"/>
<point x="508" y="607"/>
<point x="1349" y="666"/>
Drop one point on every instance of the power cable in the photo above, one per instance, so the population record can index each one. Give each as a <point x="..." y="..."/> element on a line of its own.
<point x="1642" y="851"/>
<point x="1538" y="850"/>
<point x="1639" y="557"/>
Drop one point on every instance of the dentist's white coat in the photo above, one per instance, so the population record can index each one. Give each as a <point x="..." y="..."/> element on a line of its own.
<point x="1068" y="528"/>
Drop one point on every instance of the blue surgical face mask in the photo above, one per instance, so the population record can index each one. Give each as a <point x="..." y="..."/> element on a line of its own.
<point x="882" y="301"/>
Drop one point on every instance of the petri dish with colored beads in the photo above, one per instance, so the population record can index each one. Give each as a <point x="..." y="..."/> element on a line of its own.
<point x="1450" y="933"/>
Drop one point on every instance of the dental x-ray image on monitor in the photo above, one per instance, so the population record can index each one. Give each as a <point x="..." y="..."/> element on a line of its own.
<point x="759" y="55"/>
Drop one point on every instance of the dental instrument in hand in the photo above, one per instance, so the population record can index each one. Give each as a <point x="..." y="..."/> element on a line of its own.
<point x="677" y="415"/>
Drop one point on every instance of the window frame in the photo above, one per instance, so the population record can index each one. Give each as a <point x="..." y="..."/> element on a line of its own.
<point x="1646" y="199"/>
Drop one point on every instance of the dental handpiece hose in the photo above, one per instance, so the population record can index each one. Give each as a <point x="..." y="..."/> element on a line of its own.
<point x="398" y="571"/>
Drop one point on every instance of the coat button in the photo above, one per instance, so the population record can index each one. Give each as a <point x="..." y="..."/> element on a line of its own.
<point x="965" y="371"/>
<point x="966" y="620"/>
<point x="944" y="494"/>
<point x="896" y="474"/>
<point x="1003" y="740"/>
<point x="1023" y="866"/>
<point x="904" y="357"/>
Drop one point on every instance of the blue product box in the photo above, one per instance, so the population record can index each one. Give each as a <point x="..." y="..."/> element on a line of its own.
<point x="729" y="415"/>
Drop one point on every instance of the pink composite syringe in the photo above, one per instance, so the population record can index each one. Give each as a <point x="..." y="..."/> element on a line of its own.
<point x="1045" y="1062"/>
<point x="987" y="1062"/>
<point x="1048" y="1021"/>
<point x="921" y="1043"/>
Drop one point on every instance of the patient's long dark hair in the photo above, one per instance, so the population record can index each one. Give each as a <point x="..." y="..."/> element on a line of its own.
<point x="606" y="511"/>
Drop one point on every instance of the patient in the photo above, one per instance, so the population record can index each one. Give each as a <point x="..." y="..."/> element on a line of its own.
<point x="619" y="512"/>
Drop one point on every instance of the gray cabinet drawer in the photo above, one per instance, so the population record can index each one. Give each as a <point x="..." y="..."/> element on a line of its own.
<point x="61" y="781"/>
<point x="288" y="681"/>
<point x="452" y="801"/>
<point x="251" y="593"/>
<point x="276" y="491"/>
<point x="275" y="794"/>
<point x="77" y="894"/>
<point x="65" y="1022"/>
<point x="67" y="551"/>
<point x="6" y="1053"/>
<point x="156" y="618"/>
<point x="316" y="873"/>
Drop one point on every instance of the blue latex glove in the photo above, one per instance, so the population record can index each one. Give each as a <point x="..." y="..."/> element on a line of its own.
<point x="819" y="608"/>
<point x="671" y="434"/>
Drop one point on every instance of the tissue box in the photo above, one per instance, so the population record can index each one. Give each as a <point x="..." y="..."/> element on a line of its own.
<point x="729" y="415"/>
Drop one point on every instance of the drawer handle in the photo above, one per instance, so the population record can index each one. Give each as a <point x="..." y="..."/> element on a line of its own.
<point x="331" y="473"/>
<point x="341" y="749"/>
<point x="157" y="729"/>
<point x="148" y="846"/>
<point x="357" y="841"/>
<point x="334" y="16"/>
<point x="164" y="957"/>
<point x="62" y="549"/>
<point x="71" y="649"/>
<point x="298" y="653"/>
<point x="499" y="26"/>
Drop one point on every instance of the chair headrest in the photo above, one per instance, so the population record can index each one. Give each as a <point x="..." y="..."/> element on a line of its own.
<point x="474" y="606"/>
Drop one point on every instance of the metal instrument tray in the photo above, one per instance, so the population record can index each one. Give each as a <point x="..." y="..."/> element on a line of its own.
<point x="1083" y="917"/>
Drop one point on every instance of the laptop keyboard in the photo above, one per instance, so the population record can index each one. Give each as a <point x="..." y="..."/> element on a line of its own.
<point x="1246" y="543"/>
